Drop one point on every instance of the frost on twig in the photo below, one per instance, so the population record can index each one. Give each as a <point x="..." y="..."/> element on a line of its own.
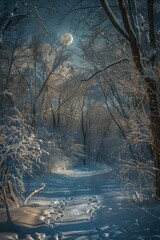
<point x="20" y="155"/>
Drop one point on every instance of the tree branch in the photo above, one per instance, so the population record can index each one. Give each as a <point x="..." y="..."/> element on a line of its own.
<point x="105" y="68"/>
<point x="152" y="37"/>
<point x="136" y="54"/>
<point x="9" y="220"/>
<point x="134" y="18"/>
<point x="151" y="23"/>
<point x="126" y="22"/>
<point x="113" y="18"/>
<point x="34" y="192"/>
<point x="7" y="21"/>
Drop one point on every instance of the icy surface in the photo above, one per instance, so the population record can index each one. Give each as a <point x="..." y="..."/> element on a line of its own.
<point x="88" y="203"/>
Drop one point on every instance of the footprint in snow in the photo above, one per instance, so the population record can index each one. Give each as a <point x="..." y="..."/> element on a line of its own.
<point x="102" y="235"/>
<point x="92" y="198"/>
<point x="28" y="237"/>
<point x="58" y="236"/>
<point x="41" y="236"/>
<point x="62" y="207"/>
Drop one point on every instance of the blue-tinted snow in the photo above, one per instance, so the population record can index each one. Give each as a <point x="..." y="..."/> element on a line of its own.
<point x="88" y="203"/>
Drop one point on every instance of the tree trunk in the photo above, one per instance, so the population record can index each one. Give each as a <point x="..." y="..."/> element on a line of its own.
<point x="155" y="128"/>
<point x="84" y="132"/>
<point x="9" y="220"/>
<point x="127" y="30"/>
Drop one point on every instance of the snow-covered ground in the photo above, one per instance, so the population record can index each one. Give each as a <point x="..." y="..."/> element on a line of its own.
<point x="85" y="203"/>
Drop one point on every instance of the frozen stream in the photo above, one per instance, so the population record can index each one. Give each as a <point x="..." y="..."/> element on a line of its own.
<point x="89" y="204"/>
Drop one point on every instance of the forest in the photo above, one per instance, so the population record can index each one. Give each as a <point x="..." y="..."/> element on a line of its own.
<point x="79" y="90"/>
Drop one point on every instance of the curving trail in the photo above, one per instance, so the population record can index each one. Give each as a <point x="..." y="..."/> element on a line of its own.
<point x="88" y="204"/>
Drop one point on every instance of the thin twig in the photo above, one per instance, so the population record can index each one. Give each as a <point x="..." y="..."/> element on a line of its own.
<point x="105" y="68"/>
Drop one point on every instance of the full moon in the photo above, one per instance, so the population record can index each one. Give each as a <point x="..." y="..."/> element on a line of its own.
<point x="66" y="39"/>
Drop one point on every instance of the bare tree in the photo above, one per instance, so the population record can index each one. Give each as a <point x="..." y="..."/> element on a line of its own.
<point x="134" y="25"/>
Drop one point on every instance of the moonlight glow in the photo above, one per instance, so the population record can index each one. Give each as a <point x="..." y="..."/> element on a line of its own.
<point x="66" y="39"/>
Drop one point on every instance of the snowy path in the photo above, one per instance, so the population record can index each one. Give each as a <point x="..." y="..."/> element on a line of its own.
<point x="89" y="204"/>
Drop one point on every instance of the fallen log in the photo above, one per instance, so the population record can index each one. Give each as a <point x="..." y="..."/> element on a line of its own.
<point x="33" y="193"/>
